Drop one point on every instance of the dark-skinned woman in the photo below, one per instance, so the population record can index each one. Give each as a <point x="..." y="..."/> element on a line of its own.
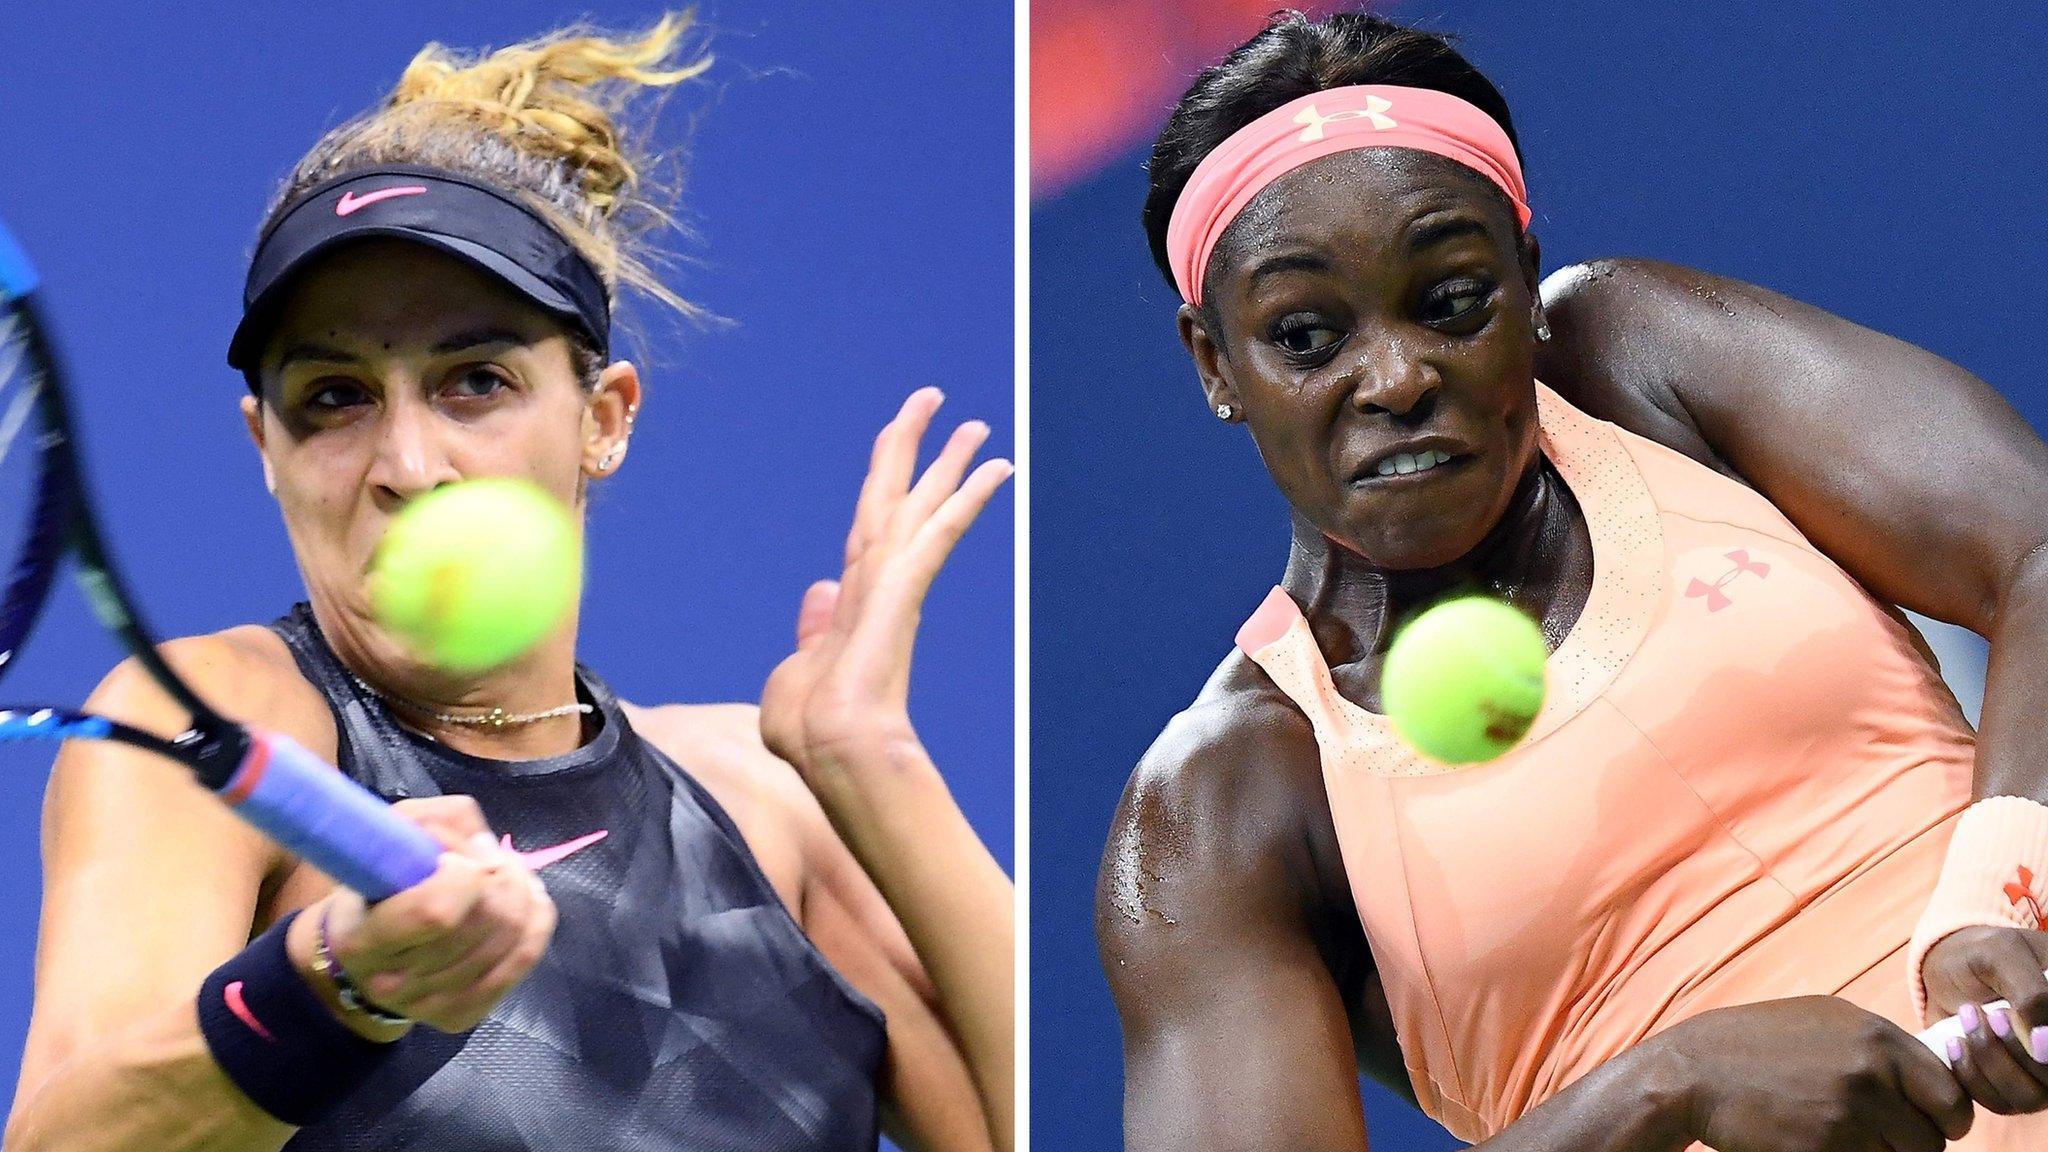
<point x="1750" y="841"/>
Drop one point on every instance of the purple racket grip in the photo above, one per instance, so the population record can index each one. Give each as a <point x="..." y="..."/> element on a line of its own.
<point x="339" y="826"/>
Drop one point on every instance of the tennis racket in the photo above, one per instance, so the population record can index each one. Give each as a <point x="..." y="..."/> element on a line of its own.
<point x="46" y="514"/>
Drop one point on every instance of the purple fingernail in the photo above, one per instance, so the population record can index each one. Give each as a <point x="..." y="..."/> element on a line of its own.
<point x="2001" y="1024"/>
<point x="1970" y="1017"/>
<point x="1955" y="1050"/>
<point x="2039" y="1045"/>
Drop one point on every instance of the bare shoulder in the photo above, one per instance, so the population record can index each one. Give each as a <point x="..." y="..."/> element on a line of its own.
<point x="1685" y="357"/>
<point x="1637" y="289"/>
<point x="1226" y="806"/>
<point x="1240" y="747"/>
<point x="720" y="746"/>
<point x="142" y="823"/>
<point x="724" y="729"/>
<point x="246" y="673"/>
<point x="1613" y="324"/>
<point x="1642" y="287"/>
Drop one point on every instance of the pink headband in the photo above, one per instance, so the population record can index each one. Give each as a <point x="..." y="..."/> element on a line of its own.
<point x="1322" y="124"/>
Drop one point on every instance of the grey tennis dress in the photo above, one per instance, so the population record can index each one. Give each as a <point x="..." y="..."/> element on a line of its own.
<point x="679" y="1006"/>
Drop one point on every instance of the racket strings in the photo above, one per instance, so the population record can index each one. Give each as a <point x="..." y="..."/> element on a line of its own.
<point x="17" y="388"/>
<point x="31" y="509"/>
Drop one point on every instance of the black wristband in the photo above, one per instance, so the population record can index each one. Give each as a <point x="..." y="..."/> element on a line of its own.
<point x="275" y="1039"/>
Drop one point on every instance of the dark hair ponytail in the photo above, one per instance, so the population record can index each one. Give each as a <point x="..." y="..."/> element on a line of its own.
<point x="1291" y="58"/>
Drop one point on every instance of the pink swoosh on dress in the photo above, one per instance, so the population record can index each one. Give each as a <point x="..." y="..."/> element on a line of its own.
<point x="540" y="858"/>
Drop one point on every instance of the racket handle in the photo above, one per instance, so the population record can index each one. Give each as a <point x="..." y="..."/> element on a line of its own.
<point x="337" y="825"/>
<point x="1938" y="1036"/>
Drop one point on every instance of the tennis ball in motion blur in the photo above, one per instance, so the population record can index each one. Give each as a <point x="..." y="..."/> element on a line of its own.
<point x="473" y="574"/>
<point x="1465" y="680"/>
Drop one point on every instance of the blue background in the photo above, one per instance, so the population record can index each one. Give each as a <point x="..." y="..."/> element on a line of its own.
<point x="849" y="185"/>
<point x="1884" y="161"/>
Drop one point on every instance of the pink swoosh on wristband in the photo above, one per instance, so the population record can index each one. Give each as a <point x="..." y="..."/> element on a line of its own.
<point x="540" y="858"/>
<point x="233" y="995"/>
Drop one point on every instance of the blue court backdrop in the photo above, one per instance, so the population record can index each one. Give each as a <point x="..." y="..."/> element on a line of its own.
<point x="1883" y="161"/>
<point x="849" y="191"/>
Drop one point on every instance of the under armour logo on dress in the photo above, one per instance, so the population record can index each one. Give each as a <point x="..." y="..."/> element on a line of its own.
<point x="1718" y="599"/>
<point x="1375" y="110"/>
<point x="2019" y="892"/>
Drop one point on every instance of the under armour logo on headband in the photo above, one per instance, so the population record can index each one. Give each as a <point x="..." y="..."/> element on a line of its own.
<point x="1375" y="110"/>
<point x="1301" y="131"/>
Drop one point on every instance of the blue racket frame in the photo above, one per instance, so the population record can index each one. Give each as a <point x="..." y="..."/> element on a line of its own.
<point x="293" y="795"/>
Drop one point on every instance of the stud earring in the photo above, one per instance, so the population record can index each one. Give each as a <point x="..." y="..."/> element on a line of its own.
<point x="611" y="456"/>
<point x="1225" y="411"/>
<point x="1542" y="330"/>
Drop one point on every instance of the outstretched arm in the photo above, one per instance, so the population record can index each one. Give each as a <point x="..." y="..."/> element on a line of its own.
<point x="838" y="709"/>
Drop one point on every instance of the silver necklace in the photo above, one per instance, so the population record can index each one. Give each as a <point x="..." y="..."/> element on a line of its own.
<point x="495" y="718"/>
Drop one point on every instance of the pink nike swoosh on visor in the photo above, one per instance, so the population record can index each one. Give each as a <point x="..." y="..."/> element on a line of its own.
<point x="350" y="203"/>
<point x="540" y="858"/>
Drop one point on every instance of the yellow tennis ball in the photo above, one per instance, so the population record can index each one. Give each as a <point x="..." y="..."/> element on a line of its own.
<point x="1464" y="681"/>
<point x="473" y="574"/>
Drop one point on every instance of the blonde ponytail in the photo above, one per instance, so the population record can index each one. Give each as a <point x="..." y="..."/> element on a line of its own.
<point x="540" y="119"/>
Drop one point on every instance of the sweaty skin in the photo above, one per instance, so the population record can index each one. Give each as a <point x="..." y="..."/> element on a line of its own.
<point x="1334" y="334"/>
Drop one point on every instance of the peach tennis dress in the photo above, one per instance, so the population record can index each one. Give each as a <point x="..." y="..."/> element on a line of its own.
<point x="1740" y="788"/>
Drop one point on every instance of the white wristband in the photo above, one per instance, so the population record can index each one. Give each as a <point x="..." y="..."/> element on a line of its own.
<point x="1995" y="875"/>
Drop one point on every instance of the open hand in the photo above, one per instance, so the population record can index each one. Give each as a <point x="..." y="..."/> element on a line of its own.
<point x="843" y="697"/>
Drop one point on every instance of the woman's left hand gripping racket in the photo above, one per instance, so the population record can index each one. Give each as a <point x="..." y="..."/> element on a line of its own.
<point x="299" y="800"/>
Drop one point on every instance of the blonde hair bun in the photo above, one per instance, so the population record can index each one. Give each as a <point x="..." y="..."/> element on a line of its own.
<point x="559" y="96"/>
<point x="542" y="120"/>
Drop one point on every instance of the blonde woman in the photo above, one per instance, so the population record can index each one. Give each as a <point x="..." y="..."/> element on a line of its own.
<point x="667" y="927"/>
